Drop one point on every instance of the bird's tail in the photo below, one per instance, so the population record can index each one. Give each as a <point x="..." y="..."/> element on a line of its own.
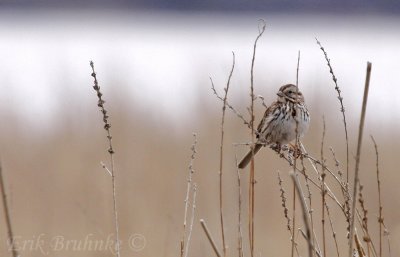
<point x="247" y="158"/>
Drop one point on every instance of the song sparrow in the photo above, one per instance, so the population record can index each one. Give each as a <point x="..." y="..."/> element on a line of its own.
<point x="279" y="122"/>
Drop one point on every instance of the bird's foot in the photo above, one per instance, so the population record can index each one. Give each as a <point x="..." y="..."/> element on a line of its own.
<point x="277" y="148"/>
<point x="295" y="151"/>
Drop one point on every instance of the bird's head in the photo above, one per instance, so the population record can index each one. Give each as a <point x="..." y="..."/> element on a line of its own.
<point x="290" y="93"/>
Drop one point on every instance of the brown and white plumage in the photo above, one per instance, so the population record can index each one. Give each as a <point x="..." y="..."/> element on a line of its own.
<point x="279" y="122"/>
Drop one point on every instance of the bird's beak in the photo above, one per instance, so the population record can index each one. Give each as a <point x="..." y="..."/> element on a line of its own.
<point x="280" y="94"/>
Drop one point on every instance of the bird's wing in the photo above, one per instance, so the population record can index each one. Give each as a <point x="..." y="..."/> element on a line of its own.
<point x="266" y="120"/>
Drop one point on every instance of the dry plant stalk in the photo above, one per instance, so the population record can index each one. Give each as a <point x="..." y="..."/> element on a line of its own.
<point x="192" y="219"/>
<point x="364" y="221"/>
<point x="360" y="250"/>
<point x="341" y="105"/>
<point x="305" y="213"/>
<point x="221" y="154"/>
<point x="296" y="151"/>
<point x="7" y="216"/>
<point x="366" y="235"/>
<point x="210" y="238"/>
<point x="252" y="175"/>
<point x="307" y="178"/>
<point x="321" y="184"/>
<point x="356" y="176"/>
<point x="378" y="180"/>
<point x="386" y="233"/>
<point x="286" y="211"/>
<point x="345" y="191"/>
<point x="284" y="200"/>
<point x="240" y="234"/>
<point x="110" y="150"/>
<point x="323" y="190"/>
<point x="227" y="104"/>
<point x="295" y="158"/>
<point x="316" y="184"/>
<point x="190" y="185"/>
<point x="332" y="228"/>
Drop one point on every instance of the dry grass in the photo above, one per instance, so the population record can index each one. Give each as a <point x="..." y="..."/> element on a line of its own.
<point x="348" y="205"/>
<point x="10" y="234"/>
<point x="110" y="150"/>
<point x="191" y="188"/>
<point x="320" y="186"/>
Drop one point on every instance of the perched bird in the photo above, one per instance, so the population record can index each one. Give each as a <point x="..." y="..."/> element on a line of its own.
<point x="278" y="126"/>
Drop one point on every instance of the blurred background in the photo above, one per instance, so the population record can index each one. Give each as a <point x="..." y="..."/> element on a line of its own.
<point x="153" y="60"/>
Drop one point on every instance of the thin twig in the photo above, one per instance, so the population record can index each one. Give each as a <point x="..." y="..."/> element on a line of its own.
<point x="330" y="193"/>
<point x="380" y="218"/>
<point x="360" y="249"/>
<point x="305" y="211"/>
<point x="364" y="222"/>
<point x="313" y="238"/>
<point x="386" y="233"/>
<point x="295" y="159"/>
<point x="305" y="237"/>
<point x="7" y="216"/>
<point x="103" y="165"/>
<point x="297" y="70"/>
<point x="252" y="175"/>
<point x="210" y="239"/>
<point x="236" y="112"/>
<point x="221" y="154"/>
<point x="345" y="191"/>
<point x="365" y="233"/>
<point x="323" y="191"/>
<point x="240" y="233"/>
<point x="332" y="228"/>
<point x="312" y="162"/>
<point x="307" y="178"/>
<point x="284" y="200"/>
<point x="188" y="189"/>
<point x="192" y="219"/>
<point x="110" y="150"/>
<point x="356" y="176"/>
<point x="262" y="101"/>
<point x="342" y="110"/>
<point x="293" y="217"/>
<point x="286" y="211"/>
